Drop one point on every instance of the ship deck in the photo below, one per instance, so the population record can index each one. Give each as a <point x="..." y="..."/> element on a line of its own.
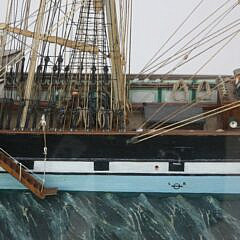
<point x="235" y="132"/>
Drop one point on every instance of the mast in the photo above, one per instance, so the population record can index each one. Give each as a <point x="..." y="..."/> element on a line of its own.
<point x="91" y="54"/>
<point x="25" y="26"/>
<point x="3" y="36"/>
<point x="34" y="55"/>
<point x="115" y="55"/>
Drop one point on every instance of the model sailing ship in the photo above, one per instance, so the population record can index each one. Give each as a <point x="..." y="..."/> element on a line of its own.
<point x="65" y="115"/>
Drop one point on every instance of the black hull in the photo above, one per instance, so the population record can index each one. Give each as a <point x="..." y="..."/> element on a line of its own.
<point x="71" y="146"/>
<point x="106" y="163"/>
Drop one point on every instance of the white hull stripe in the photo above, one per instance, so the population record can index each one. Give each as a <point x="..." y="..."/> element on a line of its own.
<point x="141" y="167"/>
<point x="189" y="168"/>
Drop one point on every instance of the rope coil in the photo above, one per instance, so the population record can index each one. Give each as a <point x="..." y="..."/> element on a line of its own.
<point x="179" y="86"/>
<point x="101" y="118"/>
<point x="204" y="87"/>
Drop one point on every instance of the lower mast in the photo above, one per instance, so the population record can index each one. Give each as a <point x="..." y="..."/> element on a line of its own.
<point x="34" y="55"/>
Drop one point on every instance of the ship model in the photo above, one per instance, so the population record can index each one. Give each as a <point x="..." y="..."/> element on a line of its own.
<point x="71" y="119"/>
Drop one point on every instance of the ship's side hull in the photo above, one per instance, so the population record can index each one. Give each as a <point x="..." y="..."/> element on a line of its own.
<point x="167" y="164"/>
<point x="134" y="184"/>
<point x="116" y="146"/>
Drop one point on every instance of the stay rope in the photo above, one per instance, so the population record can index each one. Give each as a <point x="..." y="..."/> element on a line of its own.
<point x="186" y="35"/>
<point x="152" y="60"/>
<point x="43" y="124"/>
<point x="187" y="121"/>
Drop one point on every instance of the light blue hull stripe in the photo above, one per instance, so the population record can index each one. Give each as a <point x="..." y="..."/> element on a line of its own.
<point x="145" y="184"/>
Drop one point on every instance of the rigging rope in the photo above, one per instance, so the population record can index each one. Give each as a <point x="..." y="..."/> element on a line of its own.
<point x="185" y="56"/>
<point x="186" y="122"/>
<point x="43" y="125"/>
<point x="178" y="86"/>
<point x="232" y="37"/>
<point x="203" y="86"/>
<point x="187" y="34"/>
<point x="151" y="61"/>
<point x="184" y="108"/>
<point x="196" y="45"/>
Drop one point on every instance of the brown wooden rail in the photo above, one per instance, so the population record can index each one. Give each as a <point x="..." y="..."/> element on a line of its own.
<point x="22" y="174"/>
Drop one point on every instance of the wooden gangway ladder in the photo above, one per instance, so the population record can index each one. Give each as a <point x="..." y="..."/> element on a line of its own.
<point x="25" y="176"/>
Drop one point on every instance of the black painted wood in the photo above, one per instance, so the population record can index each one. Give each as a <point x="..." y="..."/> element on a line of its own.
<point x="116" y="147"/>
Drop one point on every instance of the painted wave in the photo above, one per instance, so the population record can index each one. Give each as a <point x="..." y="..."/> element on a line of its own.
<point x="115" y="216"/>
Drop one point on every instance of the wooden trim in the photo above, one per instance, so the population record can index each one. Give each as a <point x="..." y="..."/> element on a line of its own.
<point x="127" y="133"/>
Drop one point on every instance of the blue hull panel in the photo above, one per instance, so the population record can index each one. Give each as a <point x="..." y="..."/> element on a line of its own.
<point x="133" y="184"/>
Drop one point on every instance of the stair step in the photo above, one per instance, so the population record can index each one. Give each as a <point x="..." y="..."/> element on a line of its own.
<point x="27" y="179"/>
<point x="50" y="191"/>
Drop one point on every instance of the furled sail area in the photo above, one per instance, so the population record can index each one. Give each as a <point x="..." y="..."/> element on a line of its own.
<point x="62" y="60"/>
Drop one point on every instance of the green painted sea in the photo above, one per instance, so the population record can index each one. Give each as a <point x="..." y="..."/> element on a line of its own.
<point x="104" y="216"/>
